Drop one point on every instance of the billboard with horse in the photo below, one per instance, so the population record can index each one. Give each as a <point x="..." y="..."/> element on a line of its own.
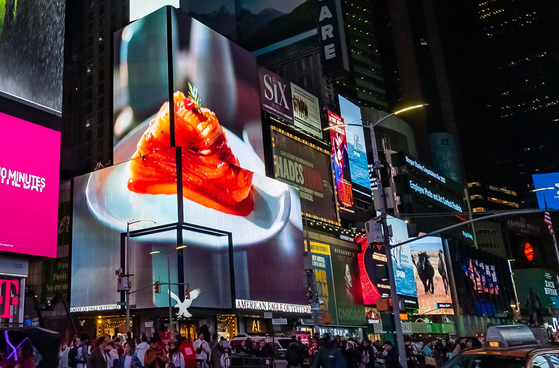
<point x="431" y="276"/>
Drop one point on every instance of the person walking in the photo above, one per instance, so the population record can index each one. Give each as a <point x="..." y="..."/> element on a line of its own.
<point x="202" y="350"/>
<point x="215" y="351"/>
<point x="176" y="358"/>
<point x="98" y="357"/>
<point x="329" y="356"/>
<point x="155" y="357"/>
<point x="128" y="360"/>
<point x="141" y="348"/>
<point x="391" y="359"/>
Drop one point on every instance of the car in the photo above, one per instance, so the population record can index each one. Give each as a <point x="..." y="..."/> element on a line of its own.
<point x="235" y="342"/>
<point x="510" y="346"/>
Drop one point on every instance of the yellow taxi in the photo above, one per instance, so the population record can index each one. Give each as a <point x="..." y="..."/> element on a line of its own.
<point x="513" y="346"/>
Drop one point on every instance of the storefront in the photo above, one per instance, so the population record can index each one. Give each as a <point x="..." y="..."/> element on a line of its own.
<point x="13" y="273"/>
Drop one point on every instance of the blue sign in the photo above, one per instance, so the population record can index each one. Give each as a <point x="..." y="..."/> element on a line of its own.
<point x="401" y="259"/>
<point x="547" y="190"/>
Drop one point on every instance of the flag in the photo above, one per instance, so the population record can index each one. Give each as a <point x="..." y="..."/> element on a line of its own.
<point x="547" y="220"/>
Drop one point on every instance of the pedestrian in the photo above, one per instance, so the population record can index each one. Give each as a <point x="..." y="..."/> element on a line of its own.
<point x="141" y="348"/>
<point x="202" y="349"/>
<point x="262" y="351"/>
<point x="215" y="351"/>
<point x="113" y="353"/>
<point x="128" y="360"/>
<point x="63" y="356"/>
<point x="225" y="363"/>
<point x="155" y="356"/>
<point x="98" y="357"/>
<point x="82" y="350"/>
<point x="367" y="352"/>
<point x="205" y="329"/>
<point x="294" y="353"/>
<point x="176" y="358"/>
<point x="329" y="356"/>
<point x="351" y="355"/>
<point x="130" y="340"/>
<point x="391" y="357"/>
<point x="224" y="343"/>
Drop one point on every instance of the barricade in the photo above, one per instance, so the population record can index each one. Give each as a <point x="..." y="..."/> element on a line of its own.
<point x="241" y="361"/>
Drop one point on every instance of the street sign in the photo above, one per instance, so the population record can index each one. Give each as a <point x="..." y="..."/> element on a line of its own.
<point x="279" y="321"/>
<point x="308" y="294"/>
<point x="120" y="303"/>
<point x="268" y="315"/>
<point x="133" y="306"/>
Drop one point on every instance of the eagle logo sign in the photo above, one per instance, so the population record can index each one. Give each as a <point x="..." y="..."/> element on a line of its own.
<point x="185" y="304"/>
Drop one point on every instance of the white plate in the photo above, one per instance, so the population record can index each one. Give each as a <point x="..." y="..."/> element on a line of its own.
<point x="111" y="202"/>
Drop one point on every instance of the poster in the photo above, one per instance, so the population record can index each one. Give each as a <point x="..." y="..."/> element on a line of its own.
<point x="402" y="262"/>
<point x="431" y="276"/>
<point x="308" y="168"/>
<point x="373" y="271"/>
<point x="323" y="275"/>
<point x="340" y="157"/>
<point x="349" y="297"/>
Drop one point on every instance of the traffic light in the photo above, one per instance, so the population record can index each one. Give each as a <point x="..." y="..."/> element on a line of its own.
<point x="187" y="293"/>
<point x="156" y="288"/>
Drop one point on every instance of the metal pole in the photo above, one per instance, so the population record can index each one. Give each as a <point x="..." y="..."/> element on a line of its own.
<point x="169" y="293"/>
<point x="393" y="293"/>
<point x="127" y="306"/>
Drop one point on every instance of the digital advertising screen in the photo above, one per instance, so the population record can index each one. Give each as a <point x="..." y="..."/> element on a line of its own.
<point x="308" y="168"/>
<point x="29" y="187"/>
<point x="349" y="297"/>
<point x="547" y="190"/>
<point x="306" y="111"/>
<point x="240" y="228"/>
<point x="32" y="52"/>
<point x="340" y="157"/>
<point x="431" y="276"/>
<point x="537" y="285"/>
<point x="357" y="150"/>
<point x="322" y="268"/>
<point x="373" y="271"/>
<point x="216" y="104"/>
<point x="402" y="262"/>
<point x="275" y="94"/>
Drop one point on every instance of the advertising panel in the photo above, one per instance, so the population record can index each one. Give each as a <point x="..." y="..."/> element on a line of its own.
<point x="306" y="111"/>
<point x="431" y="275"/>
<point x="29" y="186"/>
<point x="373" y="271"/>
<point x="252" y="217"/>
<point x="547" y="190"/>
<point x="340" y="157"/>
<point x="32" y="52"/>
<point x="323" y="275"/>
<point x="537" y="290"/>
<point x="349" y="297"/>
<point x="357" y="150"/>
<point x="332" y="37"/>
<point x="275" y="94"/>
<point x="402" y="262"/>
<point x="215" y="91"/>
<point x="308" y="168"/>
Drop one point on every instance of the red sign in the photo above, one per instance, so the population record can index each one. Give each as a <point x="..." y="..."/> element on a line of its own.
<point x="340" y="157"/>
<point x="7" y="297"/>
<point x="528" y="251"/>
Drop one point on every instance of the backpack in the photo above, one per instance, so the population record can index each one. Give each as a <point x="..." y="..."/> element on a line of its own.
<point x="73" y="359"/>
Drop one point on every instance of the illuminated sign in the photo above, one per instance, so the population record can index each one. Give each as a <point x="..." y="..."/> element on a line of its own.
<point x="94" y="308"/>
<point x="444" y="305"/>
<point x="340" y="157"/>
<point x="141" y="8"/>
<point x="467" y="235"/>
<point x="547" y="190"/>
<point x="437" y="197"/>
<point x="272" y="306"/>
<point x="29" y="186"/>
<point x="528" y="251"/>
<point x="9" y="298"/>
<point x="425" y="170"/>
<point x="332" y="37"/>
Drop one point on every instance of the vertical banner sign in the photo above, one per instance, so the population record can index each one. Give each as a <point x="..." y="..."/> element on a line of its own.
<point x="306" y="111"/>
<point x="308" y="168"/>
<point x="340" y="157"/>
<point x="349" y="297"/>
<point x="331" y="36"/>
<point x="275" y="94"/>
<point x="323" y="276"/>
<point x="402" y="262"/>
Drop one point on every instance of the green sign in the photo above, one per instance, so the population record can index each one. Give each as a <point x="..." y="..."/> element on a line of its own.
<point x="543" y="282"/>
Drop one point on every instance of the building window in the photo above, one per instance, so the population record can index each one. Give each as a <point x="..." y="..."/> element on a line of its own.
<point x="479" y="209"/>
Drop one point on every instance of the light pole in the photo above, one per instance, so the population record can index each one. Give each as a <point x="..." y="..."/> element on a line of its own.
<point x="382" y="200"/>
<point x="127" y="276"/>
<point x="169" y="280"/>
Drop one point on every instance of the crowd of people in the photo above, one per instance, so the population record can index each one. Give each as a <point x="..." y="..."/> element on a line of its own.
<point x="209" y="351"/>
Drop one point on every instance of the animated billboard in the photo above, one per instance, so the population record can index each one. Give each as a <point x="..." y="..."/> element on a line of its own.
<point x="29" y="187"/>
<point x="340" y="157"/>
<point x="547" y="190"/>
<point x="347" y="288"/>
<point x="402" y="262"/>
<point x="431" y="276"/>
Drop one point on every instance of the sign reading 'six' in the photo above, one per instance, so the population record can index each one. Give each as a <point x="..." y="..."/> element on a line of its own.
<point x="275" y="94"/>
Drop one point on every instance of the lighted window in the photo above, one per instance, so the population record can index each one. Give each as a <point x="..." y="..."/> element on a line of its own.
<point x="479" y="209"/>
<point x="474" y="184"/>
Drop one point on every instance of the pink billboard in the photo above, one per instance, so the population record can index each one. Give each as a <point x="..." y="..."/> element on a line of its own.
<point x="29" y="180"/>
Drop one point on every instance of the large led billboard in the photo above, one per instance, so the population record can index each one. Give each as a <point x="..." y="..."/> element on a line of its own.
<point x="373" y="271"/>
<point x="242" y="232"/>
<point x="32" y="52"/>
<point x="431" y="276"/>
<point x="215" y="80"/>
<point x="402" y="262"/>
<point x="29" y="180"/>
<point x="340" y="158"/>
<point x="308" y="168"/>
<point x="547" y="190"/>
<point x="357" y="150"/>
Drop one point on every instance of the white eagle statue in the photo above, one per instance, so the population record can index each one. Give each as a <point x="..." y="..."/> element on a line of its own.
<point x="185" y="304"/>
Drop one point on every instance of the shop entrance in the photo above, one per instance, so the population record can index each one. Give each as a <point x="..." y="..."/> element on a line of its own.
<point x="189" y="329"/>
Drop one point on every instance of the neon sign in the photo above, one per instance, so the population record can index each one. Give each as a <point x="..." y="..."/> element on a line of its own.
<point x="528" y="251"/>
<point x="8" y="300"/>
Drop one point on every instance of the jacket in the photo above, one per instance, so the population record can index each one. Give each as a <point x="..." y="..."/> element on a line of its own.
<point x="202" y="349"/>
<point x="135" y="363"/>
<point x="155" y="358"/>
<point x="97" y="359"/>
<point x="141" y="351"/>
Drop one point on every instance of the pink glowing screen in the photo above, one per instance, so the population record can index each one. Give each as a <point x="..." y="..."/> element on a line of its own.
<point x="29" y="180"/>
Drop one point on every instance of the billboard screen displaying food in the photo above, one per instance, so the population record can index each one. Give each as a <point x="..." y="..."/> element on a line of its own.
<point x="29" y="187"/>
<point x="32" y="52"/>
<point x="308" y="168"/>
<point x="214" y="86"/>
<point x="431" y="276"/>
<point x="241" y="230"/>
<point x="340" y="157"/>
<point x="357" y="150"/>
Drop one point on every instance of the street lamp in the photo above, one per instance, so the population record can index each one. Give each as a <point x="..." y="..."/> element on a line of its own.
<point x="127" y="276"/>
<point x="382" y="199"/>
<point x="169" y="280"/>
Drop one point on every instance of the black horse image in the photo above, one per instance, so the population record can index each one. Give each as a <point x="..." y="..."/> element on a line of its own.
<point x="425" y="271"/>
<point x="442" y="271"/>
